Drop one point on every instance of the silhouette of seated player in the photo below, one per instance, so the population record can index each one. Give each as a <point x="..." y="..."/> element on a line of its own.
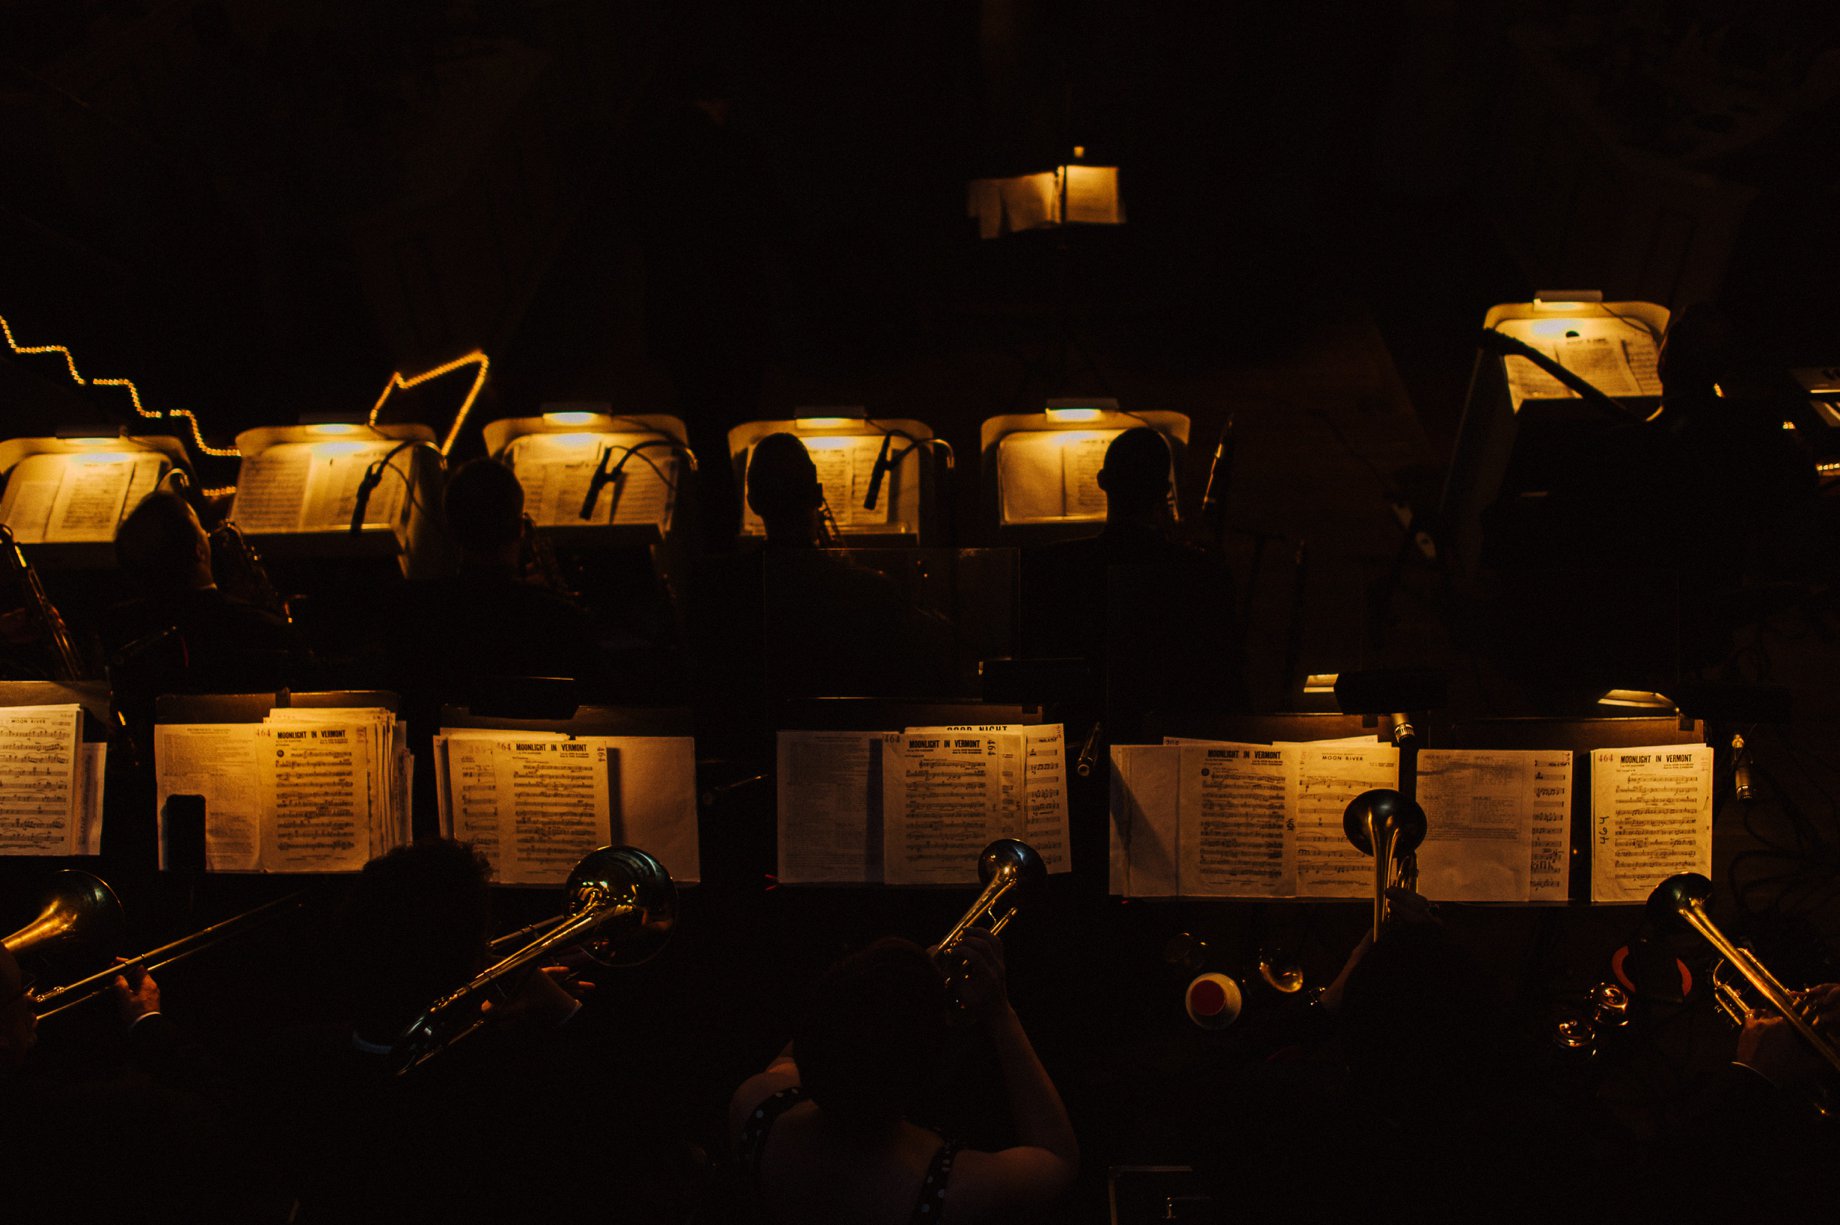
<point x="179" y="633"/>
<point x="1157" y="616"/>
<point x="832" y="627"/>
<point x="457" y="637"/>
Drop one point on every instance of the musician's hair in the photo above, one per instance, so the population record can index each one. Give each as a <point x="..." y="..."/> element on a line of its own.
<point x="417" y="925"/>
<point x="157" y="544"/>
<point x="484" y="505"/>
<point x="874" y="1032"/>
<point x="781" y="479"/>
<point x="1135" y="475"/>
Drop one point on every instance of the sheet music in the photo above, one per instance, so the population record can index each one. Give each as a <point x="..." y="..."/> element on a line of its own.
<point x="1478" y="824"/>
<point x="656" y="804"/>
<point x="1081" y="460"/>
<point x="830" y="802"/>
<point x="556" y="470"/>
<point x="91" y="768"/>
<point x="38" y="779"/>
<point x="1092" y="195"/>
<point x="942" y="800"/>
<point x="1328" y="777"/>
<point x="554" y="807"/>
<point x="1145" y="808"/>
<point x="332" y="489"/>
<point x="1618" y="358"/>
<point x="319" y="801"/>
<point x="1549" y="874"/>
<point x="223" y="762"/>
<point x="846" y="467"/>
<point x="271" y="489"/>
<point x="1235" y="829"/>
<point x="1651" y="817"/>
<point x="92" y="497"/>
<point x="385" y="787"/>
<point x="28" y="510"/>
<point x="1045" y="824"/>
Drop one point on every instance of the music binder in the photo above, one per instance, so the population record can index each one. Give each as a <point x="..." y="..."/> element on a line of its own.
<point x="64" y="497"/>
<point x="300" y="487"/>
<point x="53" y="756"/>
<point x="881" y="476"/>
<point x="629" y="473"/>
<point x="1040" y="470"/>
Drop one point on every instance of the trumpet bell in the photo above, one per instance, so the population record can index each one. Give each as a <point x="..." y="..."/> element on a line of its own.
<point x="81" y="908"/>
<point x="1015" y="861"/>
<point x="636" y="897"/>
<point x="1673" y="896"/>
<point x="1379" y="810"/>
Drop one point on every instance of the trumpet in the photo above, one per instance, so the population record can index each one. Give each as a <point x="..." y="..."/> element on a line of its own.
<point x="620" y="909"/>
<point x="1682" y="899"/>
<point x="1008" y="870"/>
<point x="1384" y="824"/>
<point x="240" y="573"/>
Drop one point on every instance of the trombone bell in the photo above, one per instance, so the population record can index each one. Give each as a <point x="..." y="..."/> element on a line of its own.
<point x="81" y="908"/>
<point x="1384" y="824"/>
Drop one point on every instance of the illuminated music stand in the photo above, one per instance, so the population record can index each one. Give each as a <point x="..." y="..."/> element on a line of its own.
<point x="45" y="477"/>
<point x="636" y="466"/>
<point x="848" y="449"/>
<point x="300" y="485"/>
<point x="1039" y="469"/>
<point x="1521" y="425"/>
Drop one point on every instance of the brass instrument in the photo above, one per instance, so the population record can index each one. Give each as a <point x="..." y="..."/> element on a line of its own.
<point x="1008" y="870"/>
<point x="1384" y="824"/>
<point x="240" y="574"/>
<point x="81" y="908"/>
<point x="1682" y="899"/>
<point x="1583" y="1032"/>
<point x="32" y="619"/>
<point x="620" y="909"/>
<point x="830" y="536"/>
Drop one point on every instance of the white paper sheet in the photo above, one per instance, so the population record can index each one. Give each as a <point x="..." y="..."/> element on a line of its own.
<point x="1236" y="831"/>
<point x="830" y="785"/>
<point x="942" y="807"/>
<point x="1329" y="776"/>
<point x="1651" y="817"/>
<point x="223" y="762"/>
<point x="39" y="752"/>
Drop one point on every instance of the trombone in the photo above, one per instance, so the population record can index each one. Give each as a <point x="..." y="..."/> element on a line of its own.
<point x="83" y="907"/>
<point x="1682" y="899"/>
<point x="1384" y="824"/>
<point x="1008" y="870"/>
<point x="620" y="908"/>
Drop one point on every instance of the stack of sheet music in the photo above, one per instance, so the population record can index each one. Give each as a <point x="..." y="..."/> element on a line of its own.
<point x="50" y="783"/>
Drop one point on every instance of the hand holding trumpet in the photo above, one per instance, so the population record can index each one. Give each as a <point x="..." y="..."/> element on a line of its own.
<point x="974" y="966"/>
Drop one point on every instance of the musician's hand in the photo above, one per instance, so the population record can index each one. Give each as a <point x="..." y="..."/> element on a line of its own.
<point x="982" y="987"/>
<point x="135" y="992"/>
<point x="549" y="997"/>
<point x="1822" y="1001"/>
<point x="1768" y="1046"/>
<point x="1406" y="907"/>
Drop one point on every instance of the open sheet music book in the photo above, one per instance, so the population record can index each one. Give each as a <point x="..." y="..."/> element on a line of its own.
<point x="917" y="807"/>
<point x="50" y="783"/>
<point x="69" y="497"/>
<point x="1222" y="819"/>
<point x="308" y="789"/>
<point x="313" y="486"/>
<point x="1618" y="357"/>
<point x="1050" y="476"/>
<point x="533" y="803"/>
<point x="556" y="470"/>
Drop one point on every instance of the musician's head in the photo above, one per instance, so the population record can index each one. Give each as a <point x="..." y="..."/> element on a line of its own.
<point x="1135" y="475"/>
<point x="783" y="489"/>
<point x="1421" y="1016"/>
<point x="18" y="1021"/>
<point x="874" y="1033"/>
<point x="484" y="505"/>
<point x="161" y="546"/>
<point x="417" y="925"/>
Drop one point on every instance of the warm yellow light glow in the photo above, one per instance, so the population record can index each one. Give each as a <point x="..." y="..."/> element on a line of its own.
<point x="573" y="440"/>
<point x="1788" y="425"/>
<point x="1541" y="304"/>
<point x="841" y="442"/>
<point x="92" y="442"/>
<point x="1643" y="699"/>
<point x="570" y="418"/>
<point x="1718" y="391"/>
<point x="333" y="427"/>
<point x="398" y="382"/>
<point x="1079" y="150"/>
<point x="1073" y="414"/>
<point x="1320" y="682"/>
<point x="100" y="457"/>
<point x="339" y="448"/>
<point x="826" y="423"/>
<point x="1832" y="465"/>
<point x="134" y="394"/>
<point x="1551" y="327"/>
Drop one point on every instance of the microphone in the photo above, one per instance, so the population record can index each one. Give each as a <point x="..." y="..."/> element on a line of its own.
<point x="373" y="477"/>
<point x="875" y="476"/>
<point x="1741" y="770"/>
<point x="600" y="478"/>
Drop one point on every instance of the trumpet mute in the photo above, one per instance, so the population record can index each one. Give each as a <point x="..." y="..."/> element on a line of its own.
<point x="1213" y="1001"/>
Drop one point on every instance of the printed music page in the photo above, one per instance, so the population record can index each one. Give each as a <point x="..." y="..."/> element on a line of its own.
<point x="89" y="499"/>
<point x="319" y="798"/>
<point x="941" y="807"/>
<point x="381" y="761"/>
<point x="846" y="466"/>
<point x="830" y="801"/>
<point x="1145" y="791"/>
<point x="1478" y="824"/>
<point x="1328" y="777"/>
<point x="1081" y="458"/>
<point x="90" y="772"/>
<point x="554" y="807"/>
<point x="39" y="747"/>
<point x="1651" y="817"/>
<point x="641" y="493"/>
<point x="332" y="488"/>
<point x="271" y="489"/>
<point x="1549" y="870"/>
<point x="1045" y="795"/>
<point x="1236" y="831"/>
<point x="1618" y="358"/>
<point x="555" y="471"/>
<point x="656" y="808"/>
<point x="223" y="762"/>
